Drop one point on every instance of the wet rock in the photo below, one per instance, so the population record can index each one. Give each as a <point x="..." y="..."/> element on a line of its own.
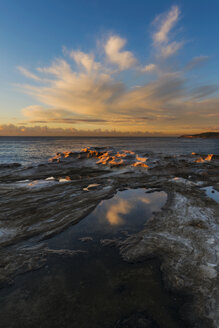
<point x="137" y="320"/>
<point x="183" y="236"/>
<point x="85" y="239"/>
<point x="110" y="242"/>
<point x="9" y="165"/>
<point x="65" y="252"/>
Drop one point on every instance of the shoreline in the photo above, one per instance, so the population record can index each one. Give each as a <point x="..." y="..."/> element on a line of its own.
<point x="176" y="239"/>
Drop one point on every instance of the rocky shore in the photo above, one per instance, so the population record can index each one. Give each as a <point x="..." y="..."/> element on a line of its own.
<point x="205" y="135"/>
<point x="40" y="201"/>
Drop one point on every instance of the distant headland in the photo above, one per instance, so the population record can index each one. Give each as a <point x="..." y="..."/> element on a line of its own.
<point x="204" y="135"/>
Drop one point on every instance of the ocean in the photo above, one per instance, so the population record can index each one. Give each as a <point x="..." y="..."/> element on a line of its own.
<point x="28" y="150"/>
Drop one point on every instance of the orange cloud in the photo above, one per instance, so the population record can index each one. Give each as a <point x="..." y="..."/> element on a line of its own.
<point x="82" y="89"/>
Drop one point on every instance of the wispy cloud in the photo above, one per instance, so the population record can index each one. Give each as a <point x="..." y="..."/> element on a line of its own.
<point x="79" y="88"/>
<point x="162" y="36"/>
<point x="196" y="62"/>
<point x="170" y="49"/>
<point x="28" y="74"/>
<point x="149" y="68"/>
<point x="204" y="91"/>
<point x="38" y="114"/>
<point x="165" y="23"/>
<point x="85" y="60"/>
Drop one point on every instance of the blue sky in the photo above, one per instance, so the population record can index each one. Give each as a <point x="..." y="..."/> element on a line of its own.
<point x="36" y="33"/>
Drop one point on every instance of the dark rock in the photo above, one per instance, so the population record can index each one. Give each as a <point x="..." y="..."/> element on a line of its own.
<point x="9" y="165"/>
<point x="137" y="320"/>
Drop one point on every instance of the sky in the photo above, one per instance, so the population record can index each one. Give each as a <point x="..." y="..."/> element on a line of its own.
<point x="114" y="67"/>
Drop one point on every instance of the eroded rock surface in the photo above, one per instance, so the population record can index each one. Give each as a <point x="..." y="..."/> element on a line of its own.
<point x="184" y="237"/>
<point x="42" y="200"/>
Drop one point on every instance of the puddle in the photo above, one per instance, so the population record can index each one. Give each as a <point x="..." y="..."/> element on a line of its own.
<point x="127" y="211"/>
<point x="95" y="289"/>
<point x="212" y="193"/>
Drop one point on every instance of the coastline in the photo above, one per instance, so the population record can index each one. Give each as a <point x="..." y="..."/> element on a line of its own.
<point x="177" y="236"/>
<point x="205" y="135"/>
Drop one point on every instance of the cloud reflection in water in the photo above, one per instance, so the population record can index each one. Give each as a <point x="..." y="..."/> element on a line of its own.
<point x="114" y="211"/>
<point x="128" y="209"/>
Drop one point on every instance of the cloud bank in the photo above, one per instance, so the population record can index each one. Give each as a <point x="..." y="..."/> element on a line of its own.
<point x="37" y="130"/>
